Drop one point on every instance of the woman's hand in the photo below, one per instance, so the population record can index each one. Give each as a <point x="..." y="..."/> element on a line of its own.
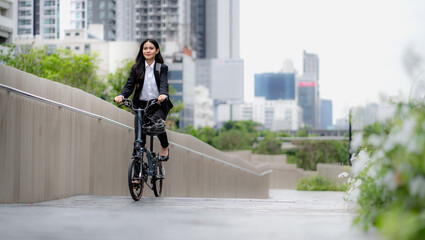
<point x="162" y="98"/>
<point x="118" y="99"/>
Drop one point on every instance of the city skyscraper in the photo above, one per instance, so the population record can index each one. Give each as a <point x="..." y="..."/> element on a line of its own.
<point x="125" y="20"/>
<point x="274" y="86"/>
<point x="198" y="18"/>
<point x="311" y="64"/>
<point x="325" y="114"/>
<point x="307" y="99"/>
<point x="162" y="20"/>
<point x="6" y="23"/>
<point x="308" y="90"/>
<point x="104" y="12"/>
<point x="222" y="29"/>
<point x="48" y="19"/>
<point x="38" y="17"/>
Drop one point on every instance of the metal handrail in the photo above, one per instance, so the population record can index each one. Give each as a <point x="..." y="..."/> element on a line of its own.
<point x="77" y="110"/>
<point x="58" y="104"/>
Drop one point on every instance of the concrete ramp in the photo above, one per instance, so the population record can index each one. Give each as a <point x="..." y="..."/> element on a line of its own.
<point x="57" y="141"/>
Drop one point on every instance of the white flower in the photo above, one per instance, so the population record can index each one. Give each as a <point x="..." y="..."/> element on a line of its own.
<point x="375" y="140"/>
<point x="354" y="192"/>
<point x="356" y="142"/>
<point x="373" y="172"/>
<point x="389" y="181"/>
<point x="360" y="162"/>
<point x="343" y="175"/>
<point x="400" y="135"/>
<point x="417" y="187"/>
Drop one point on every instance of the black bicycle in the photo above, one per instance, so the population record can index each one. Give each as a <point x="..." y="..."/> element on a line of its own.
<point x="145" y="167"/>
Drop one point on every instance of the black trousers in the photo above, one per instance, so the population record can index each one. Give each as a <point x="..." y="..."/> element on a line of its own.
<point x="158" y="114"/>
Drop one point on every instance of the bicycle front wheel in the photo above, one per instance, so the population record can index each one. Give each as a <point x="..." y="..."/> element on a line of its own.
<point x="135" y="180"/>
<point x="157" y="179"/>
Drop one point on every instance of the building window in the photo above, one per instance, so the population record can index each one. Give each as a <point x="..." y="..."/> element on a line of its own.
<point x="25" y="4"/>
<point x="77" y="34"/>
<point x="175" y="75"/>
<point x="49" y="21"/>
<point x="24" y="13"/>
<point x="49" y="3"/>
<point x="102" y="5"/>
<point x="24" y="31"/>
<point x="77" y="48"/>
<point x="24" y="22"/>
<point x="49" y="30"/>
<point x="49" y="12"/>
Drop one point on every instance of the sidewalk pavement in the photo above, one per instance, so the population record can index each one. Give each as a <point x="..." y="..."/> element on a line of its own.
<point x="287" y="214"/>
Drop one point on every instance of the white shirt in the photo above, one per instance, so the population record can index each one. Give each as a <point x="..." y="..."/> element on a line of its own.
<point x="150" y="89"/>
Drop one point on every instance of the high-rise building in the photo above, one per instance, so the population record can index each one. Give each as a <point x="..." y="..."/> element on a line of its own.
<point x="38" y="17"/>
<point x="125" y="20"/>
<point x="165" y="21"/>
<point x="111" y="53"/>
<point x="311" y="64"/>
<point x="223" y="77"/>
<point x="198" y="18"/>
<point x="104" y="12"/>
<point x="181" y="76"/>
<point x="222" y="29"/>
<point x="326" y="114"/>
<point x="308" y="90"/>
<point x="78" y="13"/>
<point x="275" y="115"/>
<point x="48" y="19"/>
<point x="203" y="109"/>
<point x="6" y="20"/>
<point x="288" y="66"/>
<point x="275" y="86"/>
<point x="307" y="100"/>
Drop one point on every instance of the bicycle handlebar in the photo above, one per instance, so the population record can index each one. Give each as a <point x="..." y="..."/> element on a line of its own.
<point x="128" y="103"/>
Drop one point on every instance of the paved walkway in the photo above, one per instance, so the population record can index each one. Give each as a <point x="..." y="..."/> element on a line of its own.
<point x="288" y="214"/>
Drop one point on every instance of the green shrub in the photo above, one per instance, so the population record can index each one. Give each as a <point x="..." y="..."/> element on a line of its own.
<point x="319" y="183"/>
<point x="389" y="175"/>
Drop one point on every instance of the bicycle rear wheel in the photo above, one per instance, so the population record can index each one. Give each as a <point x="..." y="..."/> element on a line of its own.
<point x="135" y="180"/>
<point x="157" y="179"/>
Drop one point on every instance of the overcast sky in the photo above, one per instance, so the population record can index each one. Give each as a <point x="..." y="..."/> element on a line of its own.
<point x="360" y="43"/>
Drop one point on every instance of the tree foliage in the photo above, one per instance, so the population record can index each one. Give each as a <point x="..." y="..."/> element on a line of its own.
<point x="76" y="70"/>
<point x="310" y="153"/>
<point x="269" y="144"/>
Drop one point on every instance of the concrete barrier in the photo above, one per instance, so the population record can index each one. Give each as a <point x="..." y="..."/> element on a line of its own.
<point x="49" y="151"/>
<point x="285" y="175"/>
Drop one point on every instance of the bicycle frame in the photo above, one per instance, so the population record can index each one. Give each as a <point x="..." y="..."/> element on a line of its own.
<point x="139" y="152"/>
<point x="152" y="158"/>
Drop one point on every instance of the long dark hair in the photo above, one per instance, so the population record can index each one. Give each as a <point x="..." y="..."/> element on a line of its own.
<point x="140" y="59"/>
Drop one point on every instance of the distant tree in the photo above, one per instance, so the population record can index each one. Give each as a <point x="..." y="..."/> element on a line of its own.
<point x="269" y="144"/>
<point x="117" y="80"/>
<point x="76" y="70"/>
<point x="310" y="153"/>
<point x="301" y="133"/>
<point x="206" y="134"/>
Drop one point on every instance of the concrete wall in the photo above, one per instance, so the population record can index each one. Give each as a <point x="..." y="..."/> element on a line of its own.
<point x="285" y="175"/>
<point x="49" y="152"/>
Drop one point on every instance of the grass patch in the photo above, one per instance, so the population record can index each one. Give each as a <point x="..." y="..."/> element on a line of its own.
<point x="319" y="183"/>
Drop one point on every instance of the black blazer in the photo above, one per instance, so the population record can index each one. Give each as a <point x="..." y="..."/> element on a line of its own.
<point x="161" y="82"/>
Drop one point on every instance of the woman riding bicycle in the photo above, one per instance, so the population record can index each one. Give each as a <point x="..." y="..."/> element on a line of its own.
<point x="149" y="75"/>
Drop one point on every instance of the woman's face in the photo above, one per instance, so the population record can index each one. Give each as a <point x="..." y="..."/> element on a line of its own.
<point x="149" y="51"/>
